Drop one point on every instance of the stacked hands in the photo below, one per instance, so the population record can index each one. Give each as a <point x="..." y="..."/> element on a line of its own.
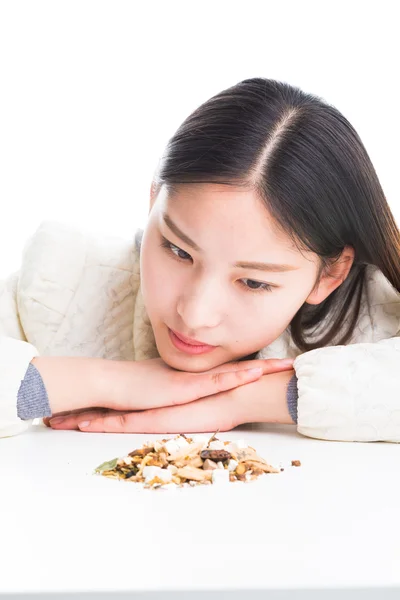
<point x="151" y="397"/>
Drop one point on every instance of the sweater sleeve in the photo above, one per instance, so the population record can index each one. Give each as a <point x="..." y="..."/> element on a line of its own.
<point x="350" y="393"/>
<point x="33" y="401"/>
<point x="15" y="356"/>
<point x="292" y="398"/>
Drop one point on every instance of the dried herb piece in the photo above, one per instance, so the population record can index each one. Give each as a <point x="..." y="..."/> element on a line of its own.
<point x="141" y="452"/>
<point x="212" y="438"/>
<point x="109" y="465"/>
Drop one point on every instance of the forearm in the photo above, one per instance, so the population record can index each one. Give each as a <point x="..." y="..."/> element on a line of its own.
<point x="270" y="401"/>
<point x="73" y="383"/>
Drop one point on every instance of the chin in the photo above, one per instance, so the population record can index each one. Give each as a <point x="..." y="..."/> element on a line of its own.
<point x="188" y="363"/>
<point x="191" y="364"/>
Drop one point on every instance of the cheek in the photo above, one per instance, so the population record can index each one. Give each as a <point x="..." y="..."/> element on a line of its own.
<point x="267" y="319"/>
<point x="159" y="283"/>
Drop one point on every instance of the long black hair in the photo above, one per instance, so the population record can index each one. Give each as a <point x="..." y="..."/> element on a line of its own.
<point x="309" y="166"/>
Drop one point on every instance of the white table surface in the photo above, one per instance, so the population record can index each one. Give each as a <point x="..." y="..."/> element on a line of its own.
<point x="330" y="525"/>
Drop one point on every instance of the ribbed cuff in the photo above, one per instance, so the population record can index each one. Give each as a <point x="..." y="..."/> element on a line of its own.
<point x="32" y="401"/>
<point x="292" y="397"/>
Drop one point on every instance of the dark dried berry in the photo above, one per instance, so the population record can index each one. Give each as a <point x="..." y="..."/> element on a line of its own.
<point x="216" y="455"/>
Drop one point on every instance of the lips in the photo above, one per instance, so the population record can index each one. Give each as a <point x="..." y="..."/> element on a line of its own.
<point x="190" y="341"/>
<point x="188" y="348"/>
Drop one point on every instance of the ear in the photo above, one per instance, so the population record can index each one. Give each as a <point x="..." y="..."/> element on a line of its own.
<point x="332" y="276"/>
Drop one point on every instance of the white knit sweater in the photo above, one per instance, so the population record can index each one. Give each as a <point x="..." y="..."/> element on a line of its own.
<point x="79" y="295"/>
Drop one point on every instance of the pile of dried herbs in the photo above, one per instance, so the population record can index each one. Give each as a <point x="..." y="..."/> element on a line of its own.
<point x="183" y="461"/>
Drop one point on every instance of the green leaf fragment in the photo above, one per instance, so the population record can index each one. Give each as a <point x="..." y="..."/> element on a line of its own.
<point x="109" y="465"/>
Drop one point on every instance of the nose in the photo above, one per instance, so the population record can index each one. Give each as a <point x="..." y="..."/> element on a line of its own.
<point x="201" y="306"/>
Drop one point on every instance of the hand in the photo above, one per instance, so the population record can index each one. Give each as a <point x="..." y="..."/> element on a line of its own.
<point x="262" y="400"/>
<point x="75" y="383"/>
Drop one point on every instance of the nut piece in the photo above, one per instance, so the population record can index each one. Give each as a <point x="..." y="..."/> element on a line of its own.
<point x="296" y="463"/>
<point x="196" y="462"/>
<point x="254" y="464"/>
<point x="209" y="465"/>
<point x="216" y="455"/>
<point x="249" y="454"/>
<point x="241" y="469"/>
<point x="193" y="473"/>
<point x="186" y="452"/>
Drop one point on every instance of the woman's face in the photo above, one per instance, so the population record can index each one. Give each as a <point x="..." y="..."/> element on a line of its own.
<point x="198" y="286"/>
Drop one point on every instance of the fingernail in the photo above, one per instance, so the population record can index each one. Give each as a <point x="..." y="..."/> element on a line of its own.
<point x="83" y="424"/>
<point x="288" y="362"/>
<point x="56" y="420"/>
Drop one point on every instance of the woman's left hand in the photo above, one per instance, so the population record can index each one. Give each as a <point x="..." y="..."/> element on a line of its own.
<point x="261" y="401"/>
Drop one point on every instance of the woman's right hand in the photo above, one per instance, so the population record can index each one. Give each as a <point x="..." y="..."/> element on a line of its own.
<point x="153" y="384"/>
<point x="81" y="383"/>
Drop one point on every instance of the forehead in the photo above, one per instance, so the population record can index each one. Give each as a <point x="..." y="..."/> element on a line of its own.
<point x="236" y="213"/>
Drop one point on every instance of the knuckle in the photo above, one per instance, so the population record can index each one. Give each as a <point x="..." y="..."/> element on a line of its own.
<point x="121" y="422"/>
<point x="237" y="364"/>
<point x="217" y="379"/>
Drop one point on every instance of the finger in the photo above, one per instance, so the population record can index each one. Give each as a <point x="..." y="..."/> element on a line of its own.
<point x="71" y="421"/>
<point x="206" y="415"/>
<point x="65" y="413"/>
<point x="268" y="365"/>
<point x="207" y="384"/>
<point x="273" y="365"/>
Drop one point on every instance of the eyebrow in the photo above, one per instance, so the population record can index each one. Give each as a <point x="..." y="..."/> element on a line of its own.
<point x="259" y="266"/>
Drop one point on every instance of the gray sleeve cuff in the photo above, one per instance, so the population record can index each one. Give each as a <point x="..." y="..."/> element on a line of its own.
<point x="292" y="397"/>
<point x="32" y="401"/>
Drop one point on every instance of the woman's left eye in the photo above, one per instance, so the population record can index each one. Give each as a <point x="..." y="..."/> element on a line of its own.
<point x="251" y="286"/>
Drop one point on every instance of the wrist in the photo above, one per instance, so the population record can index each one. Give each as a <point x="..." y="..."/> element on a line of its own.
<point x="270" y="404"/>
<point x="71" y="382"/>
<point x="116" y="383"/>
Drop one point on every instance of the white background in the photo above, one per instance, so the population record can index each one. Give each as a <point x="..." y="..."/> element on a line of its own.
<point x="91" y="91"/>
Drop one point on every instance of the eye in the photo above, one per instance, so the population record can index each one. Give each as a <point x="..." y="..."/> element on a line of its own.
<point x="175" y="250"/>
<point x="257" y="286"/>
<point x="251" y="286"/>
